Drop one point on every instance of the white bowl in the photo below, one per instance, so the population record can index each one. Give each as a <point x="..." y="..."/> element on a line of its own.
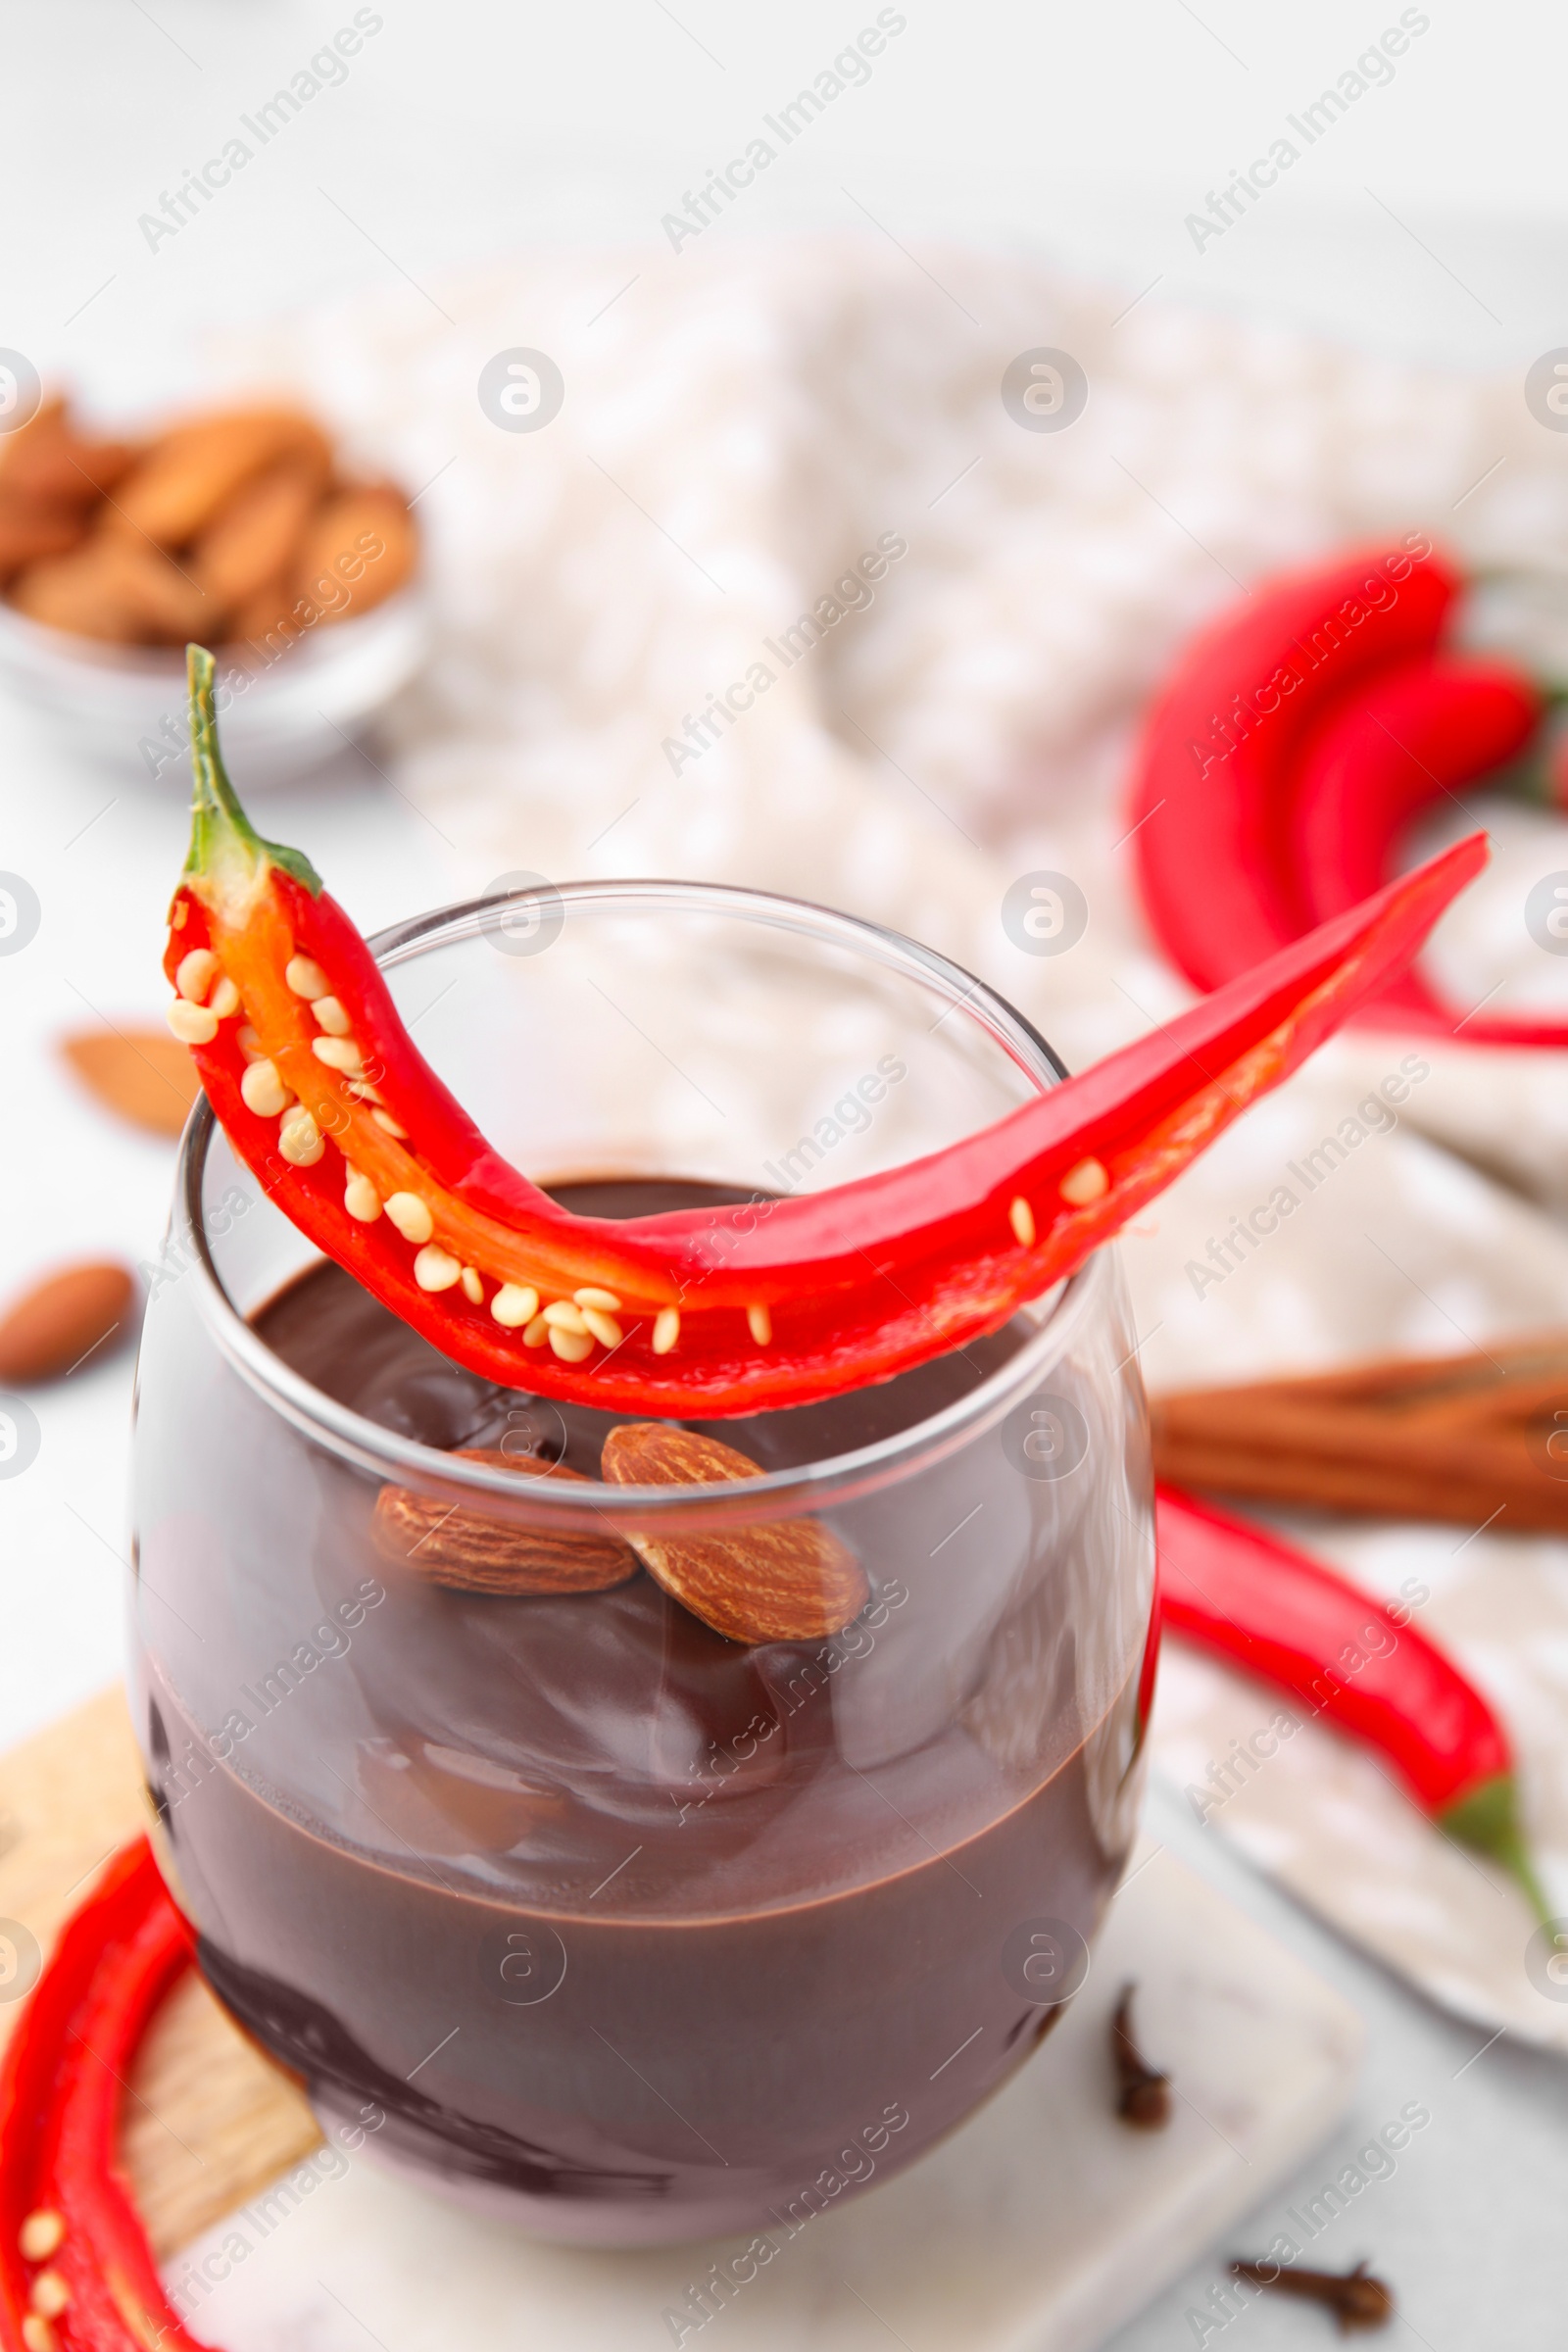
<point x="282" y="716"/>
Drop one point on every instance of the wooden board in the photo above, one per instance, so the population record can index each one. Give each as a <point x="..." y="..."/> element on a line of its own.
<point x="207" y="2121"/>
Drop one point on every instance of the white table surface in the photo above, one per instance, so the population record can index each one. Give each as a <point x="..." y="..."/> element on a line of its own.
<point x="1433" y="223"/>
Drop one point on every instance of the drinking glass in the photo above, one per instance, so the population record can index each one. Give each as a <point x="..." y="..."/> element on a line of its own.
<point x="567" y="1903"/>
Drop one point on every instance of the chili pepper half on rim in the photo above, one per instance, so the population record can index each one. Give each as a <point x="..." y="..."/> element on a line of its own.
<point x="1260" y="1604"/>
<point x="1296" y="738"/>
<point x="321" y="1091"/>
<point x="76" y="2273"/>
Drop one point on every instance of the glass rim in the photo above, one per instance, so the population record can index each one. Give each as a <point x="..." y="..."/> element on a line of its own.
<point x="383" y="1452"/>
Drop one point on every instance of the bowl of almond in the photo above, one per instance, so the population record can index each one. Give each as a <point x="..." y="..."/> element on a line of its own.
<point x="239" y="527"/>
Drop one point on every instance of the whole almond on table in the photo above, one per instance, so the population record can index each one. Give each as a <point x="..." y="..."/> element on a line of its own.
<point x="358" y="551"/>
<point x="192" y="470"/>
<point x="144" y="1075"/>
<point x="256" y="537"/>
<point x="468" y="1552"/>
<point x="786" y="1579"/>
<point x="51" y="1327"/>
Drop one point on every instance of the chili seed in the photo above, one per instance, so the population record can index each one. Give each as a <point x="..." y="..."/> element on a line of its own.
<point x="759" y="1323"/>
<point x="435" y="1269"/>
<point x="360" y="1197"/>
<point x="330" y="1016"/>
<point x="1086" y="1182"/>
<point x="192" y="1024"/>
<point x="472" y="1286"/>
<point x="604" y="1327"/>
<point x="667" y="1329"/>
<point x="263" y="1091"/>
<point x="299" y="1139"/>
<point x="390" y="1126"/>
<point x="513" y="1305"/>
<point x="606" y="1300"/>
<point x="38" y="2335"/>
<point x="537" y="1333"/>
<point x="306" y="977"/>
<point x="570" y="1346"/>
<point x="338" y="1054"/>
<point x="196" y="975"/>
<point x="50" y="2294"/>
<point x="412" y="1218"/>
<point x="224" y="998"/>
<point x="40" y="2235"/>
<point x="1021" y="1217"/>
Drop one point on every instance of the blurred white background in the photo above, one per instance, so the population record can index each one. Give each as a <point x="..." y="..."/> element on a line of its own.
<point x="1429" y="220"/>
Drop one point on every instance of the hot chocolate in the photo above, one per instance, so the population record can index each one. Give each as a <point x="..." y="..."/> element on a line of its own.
<point x="575" y="1901"/>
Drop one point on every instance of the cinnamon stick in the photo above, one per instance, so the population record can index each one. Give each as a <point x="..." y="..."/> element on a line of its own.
<point x="1467" y="1439"/>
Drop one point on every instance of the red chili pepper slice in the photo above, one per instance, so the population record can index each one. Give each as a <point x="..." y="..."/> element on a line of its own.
<point x="1261" y="1605"/>
<point x="322" y="1093"/>
<point x="77" y="2271"/>
<point x="1297" y="738"/>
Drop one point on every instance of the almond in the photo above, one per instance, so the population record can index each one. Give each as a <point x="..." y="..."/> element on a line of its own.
<point x="79" y="592"/>
<point x="165" y="603"/>
<point x="120" y="589"/>
<point x="144" y="1074"/>
<point x="468" y="1552"/>
<point x="256" y="537"/>
<point x="270" y="613"/>
<point x="357" y="550"/>
<point x="192" y="470"/>
<point x="50" y="1327"/>
<point x="787" y="1581"/>
<point x="34" y="528"/>
<point x="46" y="460"/>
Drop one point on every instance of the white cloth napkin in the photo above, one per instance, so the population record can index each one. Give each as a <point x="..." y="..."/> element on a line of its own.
<point x="742" y="426"/>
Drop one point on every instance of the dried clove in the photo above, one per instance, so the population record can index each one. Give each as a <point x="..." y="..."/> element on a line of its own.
<point x="1143" y="2092"/>
<point x="1359" y="2301"/>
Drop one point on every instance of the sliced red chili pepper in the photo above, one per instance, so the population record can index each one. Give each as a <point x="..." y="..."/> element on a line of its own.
<point x="1261" y="1605"/>
<point x="76" y="2270"/>
<point x="322" y="1093"/>
<point x="1296" y="739"/>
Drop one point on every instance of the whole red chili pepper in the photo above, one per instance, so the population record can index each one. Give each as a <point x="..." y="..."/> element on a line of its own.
<point x="1211" y="789"/>
<point x="76" y="2271"/>
<point x="1263" y="1606"/>
<point x="1296" y="738"/>
<point x="1414" y="735"/>
<point x="321" y="1091"/>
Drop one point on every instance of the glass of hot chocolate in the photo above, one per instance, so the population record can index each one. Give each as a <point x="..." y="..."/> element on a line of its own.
<point x="551" y="1888"/>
